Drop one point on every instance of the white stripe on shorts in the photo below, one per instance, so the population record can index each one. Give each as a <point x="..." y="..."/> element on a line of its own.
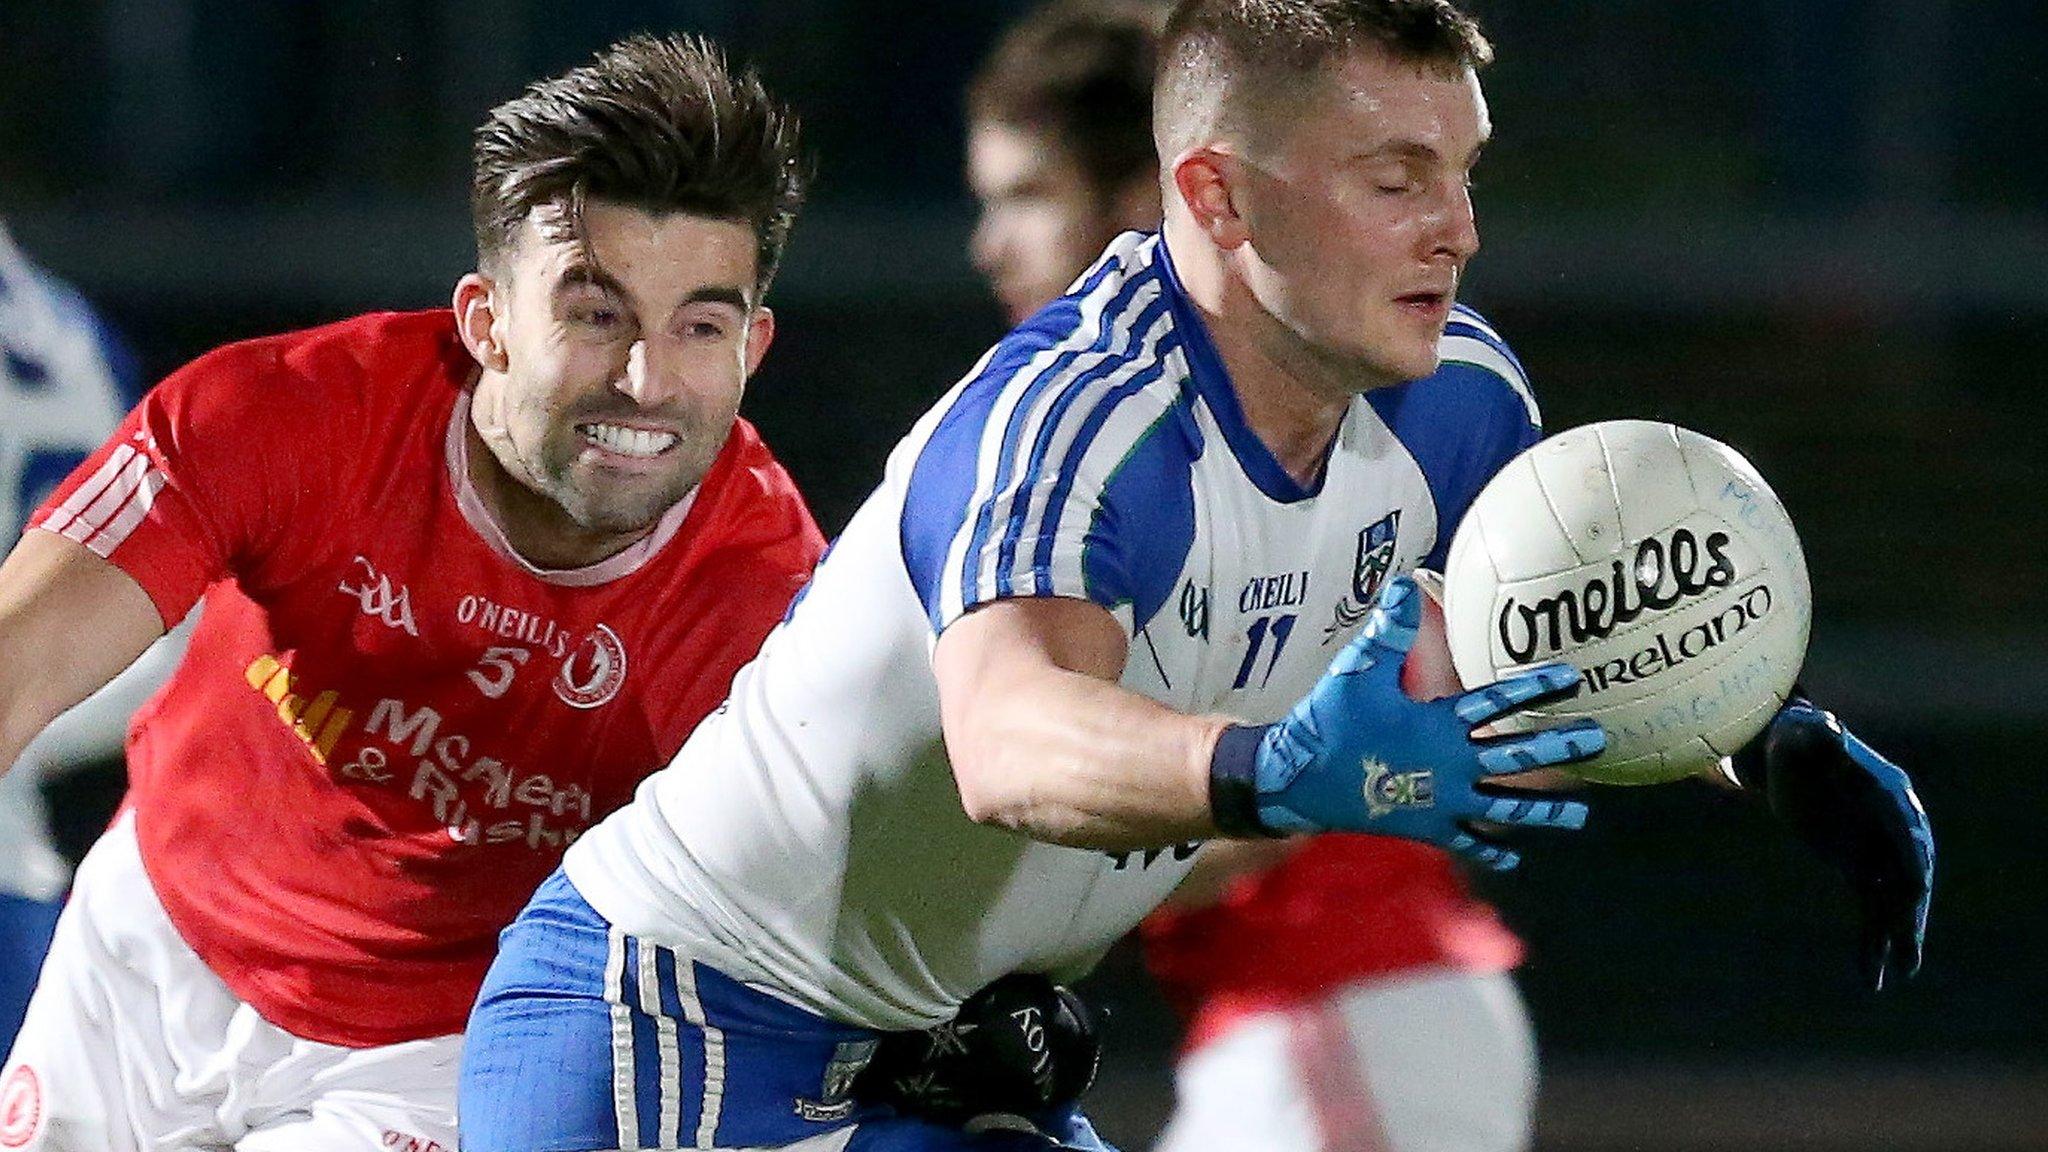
<point x="714" y="1052"/>
<point x="670" y="1054"/>
<point x="625" y="1109"/>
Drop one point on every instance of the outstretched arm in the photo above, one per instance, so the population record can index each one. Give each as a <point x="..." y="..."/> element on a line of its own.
<point x="1044" y="741"/>
<point x="69" y="622"/>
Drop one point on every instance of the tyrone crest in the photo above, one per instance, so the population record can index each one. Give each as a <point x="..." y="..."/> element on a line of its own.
<point x="594" y="670"/>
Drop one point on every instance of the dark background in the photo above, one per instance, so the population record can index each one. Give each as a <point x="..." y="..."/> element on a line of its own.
<point x="1816" y="229"/>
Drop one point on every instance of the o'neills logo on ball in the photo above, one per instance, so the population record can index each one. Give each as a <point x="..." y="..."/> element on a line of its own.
<point x="594" y="670"/>
<point x="1660" y="576"/>
<point x="21" y="1107"/>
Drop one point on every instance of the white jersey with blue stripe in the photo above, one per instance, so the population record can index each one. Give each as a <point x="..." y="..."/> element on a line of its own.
<point x="64" y="384"/>
<point x="809" y="838"/>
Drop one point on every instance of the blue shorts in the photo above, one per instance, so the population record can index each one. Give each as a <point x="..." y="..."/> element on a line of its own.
<point x="25" y="930"/>
<point x="586" y="1038"/>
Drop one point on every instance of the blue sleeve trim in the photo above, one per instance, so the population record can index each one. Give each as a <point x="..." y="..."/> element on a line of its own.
<point x="1072" y="385"/>
<point x="1077" y="453"/>
<point x="942" y="481"/>
<point x="1141" y="533"/>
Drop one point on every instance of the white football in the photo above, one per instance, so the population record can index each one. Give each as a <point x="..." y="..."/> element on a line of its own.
<point x="1656" y="561"/>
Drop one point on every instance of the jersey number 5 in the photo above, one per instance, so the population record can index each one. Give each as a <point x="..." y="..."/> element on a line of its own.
<point x="495" y="671"/>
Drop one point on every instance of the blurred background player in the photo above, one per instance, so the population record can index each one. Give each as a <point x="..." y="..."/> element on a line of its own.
<point x="66" y="380"/>
<point x="469" y="575"/>
<point x="1336" y="988"/>
<point x="1059" y="145"/>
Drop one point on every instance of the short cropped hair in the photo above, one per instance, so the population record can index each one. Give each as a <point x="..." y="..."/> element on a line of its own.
<point x="1258" y="47"/>
<point x="1079" y="72"/>
<point x="661" y="124"/>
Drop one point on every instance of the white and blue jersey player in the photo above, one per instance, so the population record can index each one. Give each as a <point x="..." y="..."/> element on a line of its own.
<point x="709" y="968"/>
<point x="65" y="382"/>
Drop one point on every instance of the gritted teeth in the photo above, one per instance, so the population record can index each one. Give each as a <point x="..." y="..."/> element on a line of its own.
<point x="627" y="441"/>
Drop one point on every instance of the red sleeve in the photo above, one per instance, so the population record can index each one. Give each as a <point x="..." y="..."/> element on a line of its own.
<point x="215" y="468"/>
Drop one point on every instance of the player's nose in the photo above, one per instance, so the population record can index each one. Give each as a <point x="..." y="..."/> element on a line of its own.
<point x="654" y="371"/>
<point x="1457" y="231"/>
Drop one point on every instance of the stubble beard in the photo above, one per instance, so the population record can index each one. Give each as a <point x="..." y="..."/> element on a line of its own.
<point x="604" y="505"/>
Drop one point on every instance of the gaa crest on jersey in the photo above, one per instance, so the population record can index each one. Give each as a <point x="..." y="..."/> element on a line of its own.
<point x="1387" y="790"/>
<point x="21" y="1107"/>
<point x="594" y="670"/>
<point x="1369" y="568"/>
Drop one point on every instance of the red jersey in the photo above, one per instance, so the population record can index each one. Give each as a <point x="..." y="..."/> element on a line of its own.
<point x="388" y="725"/>
<point x="1341" y="909"/>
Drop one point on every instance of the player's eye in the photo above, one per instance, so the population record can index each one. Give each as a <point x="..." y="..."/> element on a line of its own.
<point x="1393" y="182"/>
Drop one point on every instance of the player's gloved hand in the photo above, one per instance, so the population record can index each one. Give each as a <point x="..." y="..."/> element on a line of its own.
<point x="1857" y="809"/>
<point x="1013" y="1059"/>
<point x="1357" y="754"/>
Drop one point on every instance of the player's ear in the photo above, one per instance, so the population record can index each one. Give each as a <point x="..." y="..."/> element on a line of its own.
<point x="478" y="323"/>
<point x="1203" y="178"/>
<point x="760" y="334"/>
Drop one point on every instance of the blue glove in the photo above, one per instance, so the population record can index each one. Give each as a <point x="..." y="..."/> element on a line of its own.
<point x="1858" y="810"/>
<point x="1359" y="755"/>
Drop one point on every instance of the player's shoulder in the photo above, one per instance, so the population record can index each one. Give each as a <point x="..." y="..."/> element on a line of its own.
<point x="391" y="350"/>
<point x="1476" y="361"/>
<point x="1100" y="364"/>
<point x="752" y="507"/>
<point x="336" y="375"/>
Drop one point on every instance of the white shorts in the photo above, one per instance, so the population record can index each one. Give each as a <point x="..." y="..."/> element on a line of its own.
<point x="133" y="1045"/>
<point x="1438" y="1062"/>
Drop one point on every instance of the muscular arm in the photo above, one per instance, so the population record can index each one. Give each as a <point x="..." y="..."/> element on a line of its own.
<point x="1044" y="741"/>
<point x="69" y="622"/>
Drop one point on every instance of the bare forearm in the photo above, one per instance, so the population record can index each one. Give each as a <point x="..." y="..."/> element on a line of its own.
<point x="1070" y="759"/>
<point x="69" y="621"/>
<point x="1044" y="740"/>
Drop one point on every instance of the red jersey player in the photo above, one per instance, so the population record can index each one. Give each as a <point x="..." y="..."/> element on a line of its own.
<point x="469" y="575"/>
<point x="1361" y="959"/>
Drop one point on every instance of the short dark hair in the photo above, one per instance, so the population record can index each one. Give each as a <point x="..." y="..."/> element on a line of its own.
<point x="1079" y="72"/>
<point x="661" y="124"/>
<point x="1272" y="41"/>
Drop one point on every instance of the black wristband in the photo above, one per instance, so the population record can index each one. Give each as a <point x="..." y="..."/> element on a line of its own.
<point x="1234" y="782"/>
